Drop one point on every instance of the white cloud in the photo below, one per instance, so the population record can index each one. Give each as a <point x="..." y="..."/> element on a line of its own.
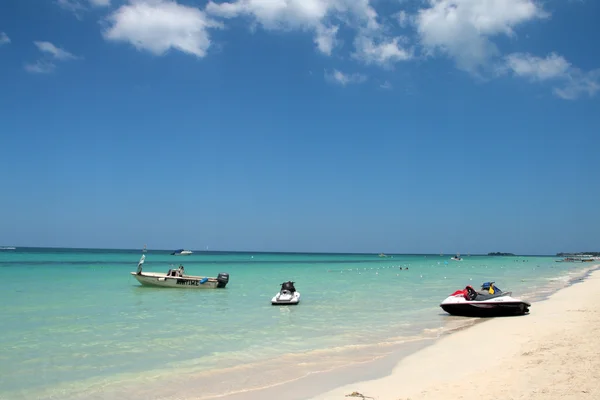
<point x="579" y="83"/>
<point x="275" y="13"/>
<point x="55" y="52"/>
<point x="45" y="65"/>
<point x="462" y="28"/>
<point x="325" y="39"/>
<point x="575" y="83"/>
<point x="536" y="68"/>
<point x="4" y="39"/>
<point x="344" y="79"/>
<point x="383" y="52"/>
<point x="77" y="6"/>
<point x="40" y="67"/>
<point x="310" y="15"/>
<point x="159" y="25"/>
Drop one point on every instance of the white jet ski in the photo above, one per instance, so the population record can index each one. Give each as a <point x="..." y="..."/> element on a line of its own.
<point x="490" y="301"/>
<point x="288" y="295"/>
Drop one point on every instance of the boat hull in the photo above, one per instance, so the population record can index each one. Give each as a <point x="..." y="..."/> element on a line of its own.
<point x="484" y="309"/>
<point x="161" y="280"/>
<point x="285" y="300"/>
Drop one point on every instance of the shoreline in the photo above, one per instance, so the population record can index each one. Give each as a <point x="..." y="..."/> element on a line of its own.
<point x="315" y="384"/>
<point x="549" y="354"/>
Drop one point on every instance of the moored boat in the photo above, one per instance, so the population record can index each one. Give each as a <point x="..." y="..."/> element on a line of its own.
<point x="176" y="278"/>
<point x="489" y="302"/>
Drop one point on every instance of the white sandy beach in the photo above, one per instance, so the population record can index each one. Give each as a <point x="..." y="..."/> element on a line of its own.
<point x="553" y="353"/>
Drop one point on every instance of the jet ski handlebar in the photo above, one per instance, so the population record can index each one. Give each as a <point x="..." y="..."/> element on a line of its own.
<point x="471" y="293"/>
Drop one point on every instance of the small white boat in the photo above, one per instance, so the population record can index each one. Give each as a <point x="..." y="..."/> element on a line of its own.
<point x="287" y="296"/>
<point x="456" y="258"/>
<point x="181" y="252"/>
<point x="176" y="278"/>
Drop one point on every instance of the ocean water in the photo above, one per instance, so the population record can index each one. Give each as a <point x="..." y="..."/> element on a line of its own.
<point x="76" y="325"/>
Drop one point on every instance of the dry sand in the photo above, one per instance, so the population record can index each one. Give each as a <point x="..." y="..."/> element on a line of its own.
<point x="553" y="353"/>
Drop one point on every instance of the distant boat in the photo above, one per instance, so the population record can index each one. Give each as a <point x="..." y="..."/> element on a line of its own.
<point x="181" y="252"/>
<point x="456" y="258"/>
<point x="144" y="249"/>
<point x="8" y="248"/>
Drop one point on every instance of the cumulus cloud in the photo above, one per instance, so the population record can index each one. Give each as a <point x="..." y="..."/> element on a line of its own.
<point x="316" y="16"/>
<point x="573" y="83"/>
<point x="274" y="14"/>
<point x="381" y="52"/>
<point x="462" y="29"/>
<point x="159" y="25"/>
<point x="4" y="39"/>
<point x="343" y="79"/>
<point x="325" y="38"/>
<point x="536" y="68"/>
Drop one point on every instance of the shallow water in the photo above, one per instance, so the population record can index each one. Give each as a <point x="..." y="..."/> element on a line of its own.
<point x="76" y="324"/>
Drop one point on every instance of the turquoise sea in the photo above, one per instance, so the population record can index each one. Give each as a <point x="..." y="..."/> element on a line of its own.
<point x="76" y="325"/>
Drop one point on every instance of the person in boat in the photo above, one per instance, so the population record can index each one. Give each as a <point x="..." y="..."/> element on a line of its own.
<point x="288" y="286"/>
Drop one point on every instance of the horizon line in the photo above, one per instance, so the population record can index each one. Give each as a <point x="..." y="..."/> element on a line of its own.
<point x="290" y="252"/>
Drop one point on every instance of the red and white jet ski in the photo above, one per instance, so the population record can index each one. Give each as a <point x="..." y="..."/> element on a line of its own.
<point x="490" y="301"/>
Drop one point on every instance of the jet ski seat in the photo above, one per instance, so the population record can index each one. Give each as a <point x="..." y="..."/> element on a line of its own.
<point x="481" y="296"/>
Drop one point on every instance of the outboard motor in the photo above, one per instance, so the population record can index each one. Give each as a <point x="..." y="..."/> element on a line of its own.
<point x="222" y="279"/>
<point x="289" y="285"/>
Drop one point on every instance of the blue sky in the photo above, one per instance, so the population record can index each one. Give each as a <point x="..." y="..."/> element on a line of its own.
<point x="301" y="125"/>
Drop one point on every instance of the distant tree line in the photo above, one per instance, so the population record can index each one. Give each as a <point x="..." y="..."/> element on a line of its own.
<point x="500" y="254"/>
